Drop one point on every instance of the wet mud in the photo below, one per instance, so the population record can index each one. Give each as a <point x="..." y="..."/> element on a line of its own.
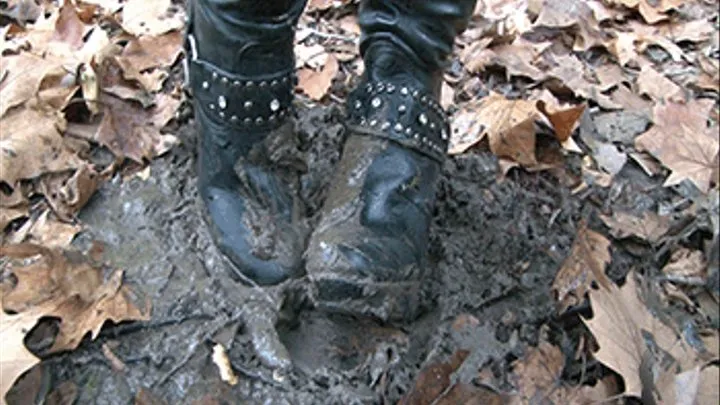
<point x="495" y="249"/>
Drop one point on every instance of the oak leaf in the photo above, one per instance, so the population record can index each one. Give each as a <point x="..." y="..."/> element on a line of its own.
<point x="584" y="266"/>
<point x="31" y="145"/>
<point x="654" y="84"/>
<point x="683" y="142"/>
<point x="632" y="341"/>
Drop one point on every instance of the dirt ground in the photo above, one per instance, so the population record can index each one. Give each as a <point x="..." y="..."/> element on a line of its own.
<point x="496" y="247"/>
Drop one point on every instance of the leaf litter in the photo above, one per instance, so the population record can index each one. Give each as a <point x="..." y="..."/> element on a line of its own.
<point x="531" y="72"/>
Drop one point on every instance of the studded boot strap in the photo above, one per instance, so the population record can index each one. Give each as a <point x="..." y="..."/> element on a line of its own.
<point x="401" y="114"/>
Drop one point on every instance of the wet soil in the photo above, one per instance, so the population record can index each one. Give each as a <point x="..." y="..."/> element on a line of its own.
<point x="495" y="248"/>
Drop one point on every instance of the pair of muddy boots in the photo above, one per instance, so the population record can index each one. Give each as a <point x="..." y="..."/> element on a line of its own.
<point x="368" y="253"/>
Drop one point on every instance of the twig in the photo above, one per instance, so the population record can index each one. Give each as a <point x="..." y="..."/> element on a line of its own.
<point x="325" y="35"/>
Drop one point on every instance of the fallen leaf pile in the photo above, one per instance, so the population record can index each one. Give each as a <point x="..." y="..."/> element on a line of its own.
<point x="62" y="285"/>
<point x="76" y="77"/>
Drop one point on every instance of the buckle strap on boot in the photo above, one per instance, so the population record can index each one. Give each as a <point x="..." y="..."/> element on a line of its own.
<point x="257" y="103"/>
<point x="402" y="114"/>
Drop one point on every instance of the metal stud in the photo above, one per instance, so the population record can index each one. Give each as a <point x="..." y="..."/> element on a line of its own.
<point x="212" y="106"/>
<point x="221" y="114"/>
<point x="399" y="127"/>
<point x="381" y="87"/>
<point x="248" y="105"/>
<point x="274" y="105"/>
<point x="416" y="135"/>
<point x="432" y="125"/>
<point x="272" y="118"/>
<point x="376" y="102"/>
<point x="222" y="102"/>
<point x="358" y="104"/>
<point x="285" y="80"/>
<point x="415" y="93"/>
<point x="404" y="91"/>
<point x="390" y="88"/>
<point x="214" y="76"/>
<point x="408" y="131"/>
<point x="423" y="99"/>
<point x="234" y="118"/>
<point x="236" y="83"/>
<point x="402" y="109"/>
<point x="373" y="123"/>
<point x="423" y="119"/>
<point x="249" y="83"/>
<point x="205" y="85"/>
<point x="259" y="120"/>
<point x="369" y="87"/>
<point x="247" y="121"/>
<point x="444" y="135"/>
<point x="385" y="125"/>
<point x="224" y="80"/>
<point x="263" y="83"/>
<point x="274" y="83"/>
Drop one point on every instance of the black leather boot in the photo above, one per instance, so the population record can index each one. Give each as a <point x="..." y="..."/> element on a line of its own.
<point x="241" y="74"/>
<point x="368" y="254"/>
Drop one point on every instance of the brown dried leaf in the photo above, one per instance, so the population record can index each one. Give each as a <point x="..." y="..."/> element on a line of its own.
<point x="537" y="374"/>
<point x="658" y="87"/>
<point x="68" y="194"/>
<point x="151" y="17"/>
<point x="149" y="52"/>
<point x="69" y="28"/>
<point x="683" y="142"/>
<point x="317" y="83"/>
<point x="564" y="120"/>
<point x="130" y="131"/>
<point x="433" y="380"/>
<point x="31" y="145"/>
<point x="586" y="264"/>
<point x="20" y="78"/>
<point x="632" y="341"/>
<point x="50" y="232"/>
<point x="686" y="265"/>
<point x="146" y="397"/>
<point x="508" y="124"/>
<point x="72" y="290"/>
<point x="650" y="227"/>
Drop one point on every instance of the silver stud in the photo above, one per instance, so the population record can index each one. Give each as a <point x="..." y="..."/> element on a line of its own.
<point x="282" y="113"/>
<point x="234" y="118"/>
<point x="408" y="131"/>
<point x="212" y="106"/>
<point x="214" y="76"/>
<point x="444" y="135"/>
<point x="423" y="119"/>
<point x="272" y="118"/>
<point x="358" y="104"/>
<point x="221" y="114"/>
<point x="247" y="121"/>
<point x="222" y="103"/>
<point x="249" y="83"/>
<point x="248" y="105"/>
<point x="415" y="93"/>
<point x="224" y="80"/>
<point x="385" y="125"/>
<point x="404" y="91"/>
<point x="363" y="121"/>
<point x="432" y="125"/>
<point x="206" y="85"/>
<point x="373" y="123"/>
<point x="381" y="87"/>
<point x="274" y="83"/>
<point x="423" y="99"/>
<point x="274" y="105"/>
<point x="285" y="80"/>
<point x="376" y="102"/>
<point x="236" y="83"/>
<point x="259" y="120"/>
<point x="390" y="88"/>
<point x="416" y="135"/>
<point x="402" y="109"/>
<point x="399" y="127"/>
<point x="263" y="83"/>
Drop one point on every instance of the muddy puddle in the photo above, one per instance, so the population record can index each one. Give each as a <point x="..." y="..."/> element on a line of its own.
<point x="495" y="248"/>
